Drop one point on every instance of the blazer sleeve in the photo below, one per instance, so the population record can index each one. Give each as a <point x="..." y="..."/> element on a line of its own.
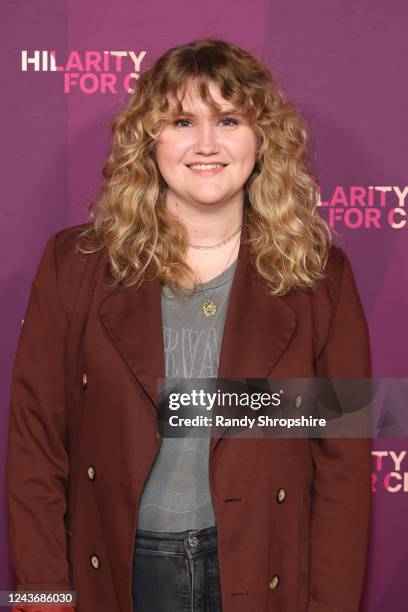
<point x="341" y="502"/>
<point x="37" y="465"/>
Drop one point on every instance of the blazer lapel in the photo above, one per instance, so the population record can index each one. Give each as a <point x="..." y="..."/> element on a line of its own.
<point x="257" y="329"/>
<point x="133" y="319"/>
<point x="258" y="326"/>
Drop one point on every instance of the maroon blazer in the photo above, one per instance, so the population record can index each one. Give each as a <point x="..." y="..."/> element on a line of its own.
<point x="83" y="436"/>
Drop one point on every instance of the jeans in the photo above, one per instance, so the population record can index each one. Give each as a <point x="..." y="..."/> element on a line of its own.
<point x="176" y="572"/>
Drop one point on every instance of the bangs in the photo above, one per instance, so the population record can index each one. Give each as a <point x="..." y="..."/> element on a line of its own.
<point x="170" y="106"/>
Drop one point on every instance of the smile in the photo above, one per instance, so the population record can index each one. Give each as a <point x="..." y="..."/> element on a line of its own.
<point x="207" y="169"/>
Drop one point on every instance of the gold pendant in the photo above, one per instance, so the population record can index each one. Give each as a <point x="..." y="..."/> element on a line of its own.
<point x="209" y="308"/>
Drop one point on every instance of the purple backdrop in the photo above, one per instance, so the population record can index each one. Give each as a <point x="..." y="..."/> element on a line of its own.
<point x="342" y="64"/>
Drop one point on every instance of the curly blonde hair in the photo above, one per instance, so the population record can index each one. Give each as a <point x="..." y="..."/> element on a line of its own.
<point x="289" y="241"/>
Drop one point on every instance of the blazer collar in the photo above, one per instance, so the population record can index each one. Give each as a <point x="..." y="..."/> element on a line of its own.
<point x="257" y="328"/>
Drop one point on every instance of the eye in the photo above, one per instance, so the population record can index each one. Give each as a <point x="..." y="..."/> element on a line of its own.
<point x="231" y="119"/>
<point x="182" y="122"/>
<point x="177" y="122"/>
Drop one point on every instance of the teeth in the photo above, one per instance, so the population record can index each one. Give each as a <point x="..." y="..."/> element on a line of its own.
<point x="206" y="166"/>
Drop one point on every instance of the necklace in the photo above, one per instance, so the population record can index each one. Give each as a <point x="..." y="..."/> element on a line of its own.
<point x="209" y="307"/>
<point x="219" y="244"/>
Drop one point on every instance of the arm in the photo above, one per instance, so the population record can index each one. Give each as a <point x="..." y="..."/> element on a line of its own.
<point x="342" y="484"/>
<point x="37" y="465"/>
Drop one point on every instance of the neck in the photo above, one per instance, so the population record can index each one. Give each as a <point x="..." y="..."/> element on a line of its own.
<point x="207" y="224"/>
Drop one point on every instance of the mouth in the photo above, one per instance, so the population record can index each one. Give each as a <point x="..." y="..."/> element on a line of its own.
<point x="206" y="169"/>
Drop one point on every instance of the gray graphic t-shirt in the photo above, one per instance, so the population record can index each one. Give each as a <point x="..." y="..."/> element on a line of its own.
<point x="176" y="495"/>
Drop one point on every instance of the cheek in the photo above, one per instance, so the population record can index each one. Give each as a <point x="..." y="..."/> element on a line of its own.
<point x="168" y="152"/>
<point x="163" y="148"/>
<point x="245" y="149"/>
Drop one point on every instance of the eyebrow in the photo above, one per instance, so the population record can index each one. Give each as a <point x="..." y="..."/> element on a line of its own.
<point x="230" y="111"/>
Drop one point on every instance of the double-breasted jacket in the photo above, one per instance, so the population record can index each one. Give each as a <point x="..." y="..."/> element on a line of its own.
<point x="292" y="514"/>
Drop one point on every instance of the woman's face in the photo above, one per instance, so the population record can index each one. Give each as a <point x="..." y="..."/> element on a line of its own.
<point x="199" y="137"/>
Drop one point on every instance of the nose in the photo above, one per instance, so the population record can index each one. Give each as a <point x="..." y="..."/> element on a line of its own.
<point x="206" y="139"/>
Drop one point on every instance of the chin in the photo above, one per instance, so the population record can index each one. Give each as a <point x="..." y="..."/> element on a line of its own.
<point x="210" y="200"/>
<point x="209" y="203"/>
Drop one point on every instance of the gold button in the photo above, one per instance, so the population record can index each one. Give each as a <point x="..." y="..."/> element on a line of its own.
<point x="95" y="561"/>
<point x="298" y="401"/>
<point x="91" y="472"/>
<point x="274" y="582"/>
<point x="280" y="496"/>
<point x="84" y="380"/>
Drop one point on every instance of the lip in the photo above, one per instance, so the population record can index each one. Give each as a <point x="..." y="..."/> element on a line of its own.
<point x="209" y="172"/>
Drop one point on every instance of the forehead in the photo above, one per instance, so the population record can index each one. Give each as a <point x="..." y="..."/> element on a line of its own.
<point x="192" y="102"/>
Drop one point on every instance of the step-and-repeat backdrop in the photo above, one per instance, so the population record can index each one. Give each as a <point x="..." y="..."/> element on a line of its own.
<point x="68" y="66"/>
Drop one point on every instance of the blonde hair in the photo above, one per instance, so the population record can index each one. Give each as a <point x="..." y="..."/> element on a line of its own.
<point x="289" y="241"/>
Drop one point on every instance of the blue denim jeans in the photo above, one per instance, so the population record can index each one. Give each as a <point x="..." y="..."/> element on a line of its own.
<point x="176" y="572"/>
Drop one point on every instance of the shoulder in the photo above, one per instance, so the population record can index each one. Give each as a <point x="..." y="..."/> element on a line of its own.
<point x="326" y="291"/>
<point x="333" y="272"/>
<point x="320" y="304"/>
<point x="339" y="281"/>
<point x="70" y="267"/>
<point x="65" y="240"/>
<point x="64" y="244"/>
<point x="337" y="297"/>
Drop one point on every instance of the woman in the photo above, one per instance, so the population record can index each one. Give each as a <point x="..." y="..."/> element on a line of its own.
<point x="204" y="257"/>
